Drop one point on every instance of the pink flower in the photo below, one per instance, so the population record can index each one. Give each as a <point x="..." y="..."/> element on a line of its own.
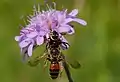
<point x="40" y="25"/>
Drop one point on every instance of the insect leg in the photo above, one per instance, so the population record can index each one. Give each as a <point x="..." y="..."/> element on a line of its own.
<point x="61" y="69"/>
<point x="45" y="63"/>
<point x="60" y="59"/>
<point x="66" y="44"/>
<point x="47" y="46"/>
<point x="46" y="58"/>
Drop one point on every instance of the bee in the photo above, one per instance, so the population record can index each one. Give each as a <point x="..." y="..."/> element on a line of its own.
<point x="54" y="55"/>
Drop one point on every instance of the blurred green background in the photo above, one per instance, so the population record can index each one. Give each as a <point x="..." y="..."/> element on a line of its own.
<point x="96" y="46"/>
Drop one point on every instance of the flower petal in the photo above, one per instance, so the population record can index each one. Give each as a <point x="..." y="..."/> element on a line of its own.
<point x="47" y="35"/>
<point x="39" y="40"/>
<point x="67" y="20"/>
<point x="32" y="35"/>
<point x="24" y="54"/>
<point x="23" y="50"/>
<point x="17" y="38"/>
<point x="42" y="32"/>
<point x="80" y="21"/>
<point x="61" y="17"/>
<point x="30" y="48"/>
<point x="71" y="31"/>
<point x="74" y="12"/>
<point x="64" y="28"/>
<point x="24" y="43"/>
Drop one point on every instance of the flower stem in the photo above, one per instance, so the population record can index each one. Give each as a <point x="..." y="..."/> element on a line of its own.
<point x="67" y="71"/>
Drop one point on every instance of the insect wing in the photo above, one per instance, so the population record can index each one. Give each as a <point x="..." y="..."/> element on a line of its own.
<point x="72" y="62"/>
<point x="33" y="61"/>
<point x="75" y="64"/>
<point x="29" y="60"/>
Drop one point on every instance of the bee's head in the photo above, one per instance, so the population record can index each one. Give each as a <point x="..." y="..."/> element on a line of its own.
<point x="54" y="35"/>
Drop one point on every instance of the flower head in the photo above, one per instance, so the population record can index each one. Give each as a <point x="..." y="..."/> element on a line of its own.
<point x="40" y="25"/>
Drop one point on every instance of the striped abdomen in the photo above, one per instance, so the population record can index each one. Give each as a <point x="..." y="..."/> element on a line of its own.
<point x="54" y="69"/>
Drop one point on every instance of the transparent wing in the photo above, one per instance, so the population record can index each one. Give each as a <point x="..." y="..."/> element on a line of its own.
<point x="72" y="62"/>
<point x="69" y="62"/>
<point x="31" y="61"/>
<point x="35" y="61"/>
